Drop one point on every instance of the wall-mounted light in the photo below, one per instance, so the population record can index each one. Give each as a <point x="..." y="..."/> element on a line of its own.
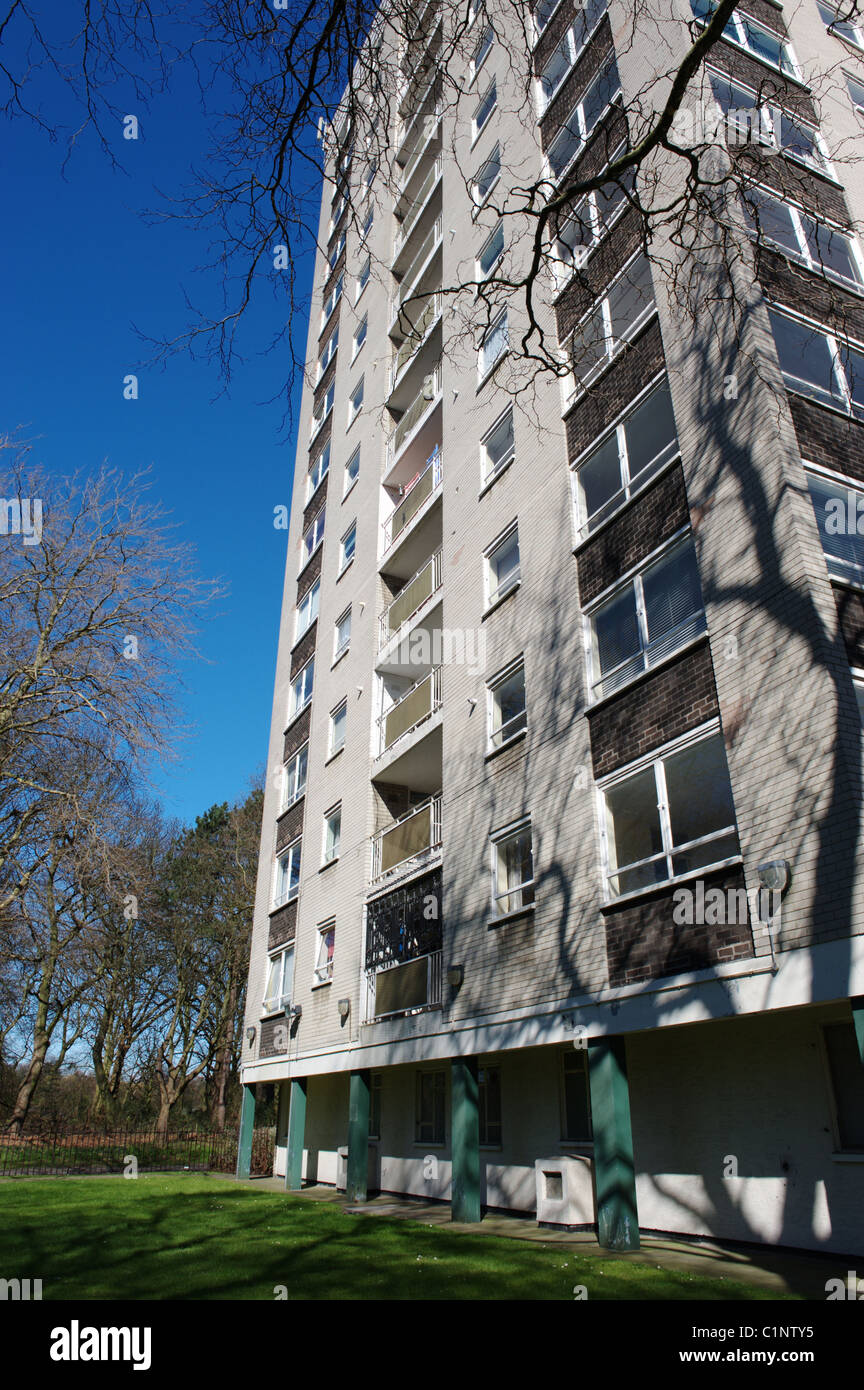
<point x="344" y="1007"/>
<point x="250" y="1034"/>
<point x="774" y="875"/>
<point x="455" y="975"/>
<point x="295" y="1011"/>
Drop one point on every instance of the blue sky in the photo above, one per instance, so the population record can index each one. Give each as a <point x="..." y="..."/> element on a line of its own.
<point x="81" y="266"/>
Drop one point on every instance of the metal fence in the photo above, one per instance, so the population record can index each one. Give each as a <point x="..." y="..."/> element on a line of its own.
<point x="66" y="1153"/>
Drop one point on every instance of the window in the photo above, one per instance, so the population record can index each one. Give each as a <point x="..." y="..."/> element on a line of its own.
<point x="633" y="452"/>
<point x="342" y="634"/>
<point x="625" y="307"/>
<point x="760" y="42"/>
<point x="312" y="538"/>
<point x="671" y="816"/>
<point x="355" y="402"/>
<point x="799" y="235"/>
<point x="328" y="352"/>
<point x="847" y="1085"/>
<point x="337" y="252"/>
<point x="294" y="777"/>
<point x="363" y="277"/>
<point x="338" y="718"/>
<point x="575" y="1102"/>
<point x="494" y="345"/>
<point x="360" y="335"/>
<point x="815" y="363"/>
<point x="490" y="253"/>
<point x="588" y="224"/>
<point x="747" y="119"/>
<point x="858" y="683"/>
<point x="838" y="506"/>
<point x="645" y="619"/>
<point x="324" y="954"/>
<point x="429" y="1115"/>
<point x="502" y="565"/>
<point x="568" y="49"/>
<point x="506" y="704"/>
<point x="543" y="12"/>
<point x="347" y="546"/>
<point x="483" y="110"/>
<point x="489" y="1105"/>
<point x="332" y="833"/>
<point x="497" y="447"/>
<point x="318" y="472"/>
<point x="352" y="468"/>
<point x="581" y="121"/>
<point x="301" y="689"/>
<point x="332" y="300"/>
<point x="287" y="875"/>
<point x="307" y="610"/>
<point x="842" y="28"/>
<point x="280" y="981"/>
<point x="481" y="51"/>
<point x="375" y="1105"/>
<point x="323" y="408"/>
<point x="856" y="93"/>
<point x="512" y="869"/>
<point x="487" y="176"/>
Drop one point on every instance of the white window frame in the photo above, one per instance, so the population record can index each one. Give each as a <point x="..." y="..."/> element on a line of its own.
<point x="857" y="81"/>
<point x="363" y="277"/>
<point x="578" y="111"/>
<point x="288" y="852"/>
<point x="499" y="322"/>
<point x="334" y="813"/>
<point x="280" y="1002"/>
<point x="291" y="773"/>
<point x="342" y="708"/>
<point x="835" y="345"/>
<point x="354" y="408"/>
<point x="312" y="538"/>
<point x="767" y="133"/>
<point x="494" y="741"/>
<point x="307" y="610"/>
<point x="613" y="346"/>
<point x="655" y="760"/>
<point x="798" y="217"/>
<point x="357" y="340"/>
<point x="497" y="840"/>
<point x="489" y="473"/>
<point x="344" y="559"/>
<point x="493" y="157"/>
<point x="846" y="572"/>
<point x="479" y="273"/>
<point x="314" y="478"/>
<point x="476" y="65"/>
<point x="341" y="649"/>
<point x="332" y="299"/>
<point x="515" y="579"/>
<point x="340" y="247"/>
<point x="349" y="481"/>
<point x="565" y="266"/>
<point x="855" y="39"/>
<point x="478" y="126"/>
<point x="318" y="421"/>
<point x="322" y="973"/>
<point x="297" y="703"/>
<point x="536" y="32"/>
<point x="328" y="352"/>
<point x="576" y="42"/>
<point x="736" y="33"/>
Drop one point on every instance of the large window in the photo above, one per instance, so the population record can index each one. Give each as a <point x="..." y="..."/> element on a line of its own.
<point x="328" y="352"/>
<point x="287" y="874"/>
<point x="838" y="506"/>
<point x="506" y="704"/>
<point x="431" y="1095"/>
<point x="323" y="408"/>
<point x="375" y="1105"/>
<point x="815" y="244"/>
<point x="490" y="253"/>
<point x="626" y="306"/>
<point x="318" y="471"/>
<point x="312" y="538"/>
<point x="487" y="176"/>
<point x="497" y="447"/>
<point x="280" y="981"/>
<point x="749" y="120"/>
<point x="332" y="300"/>
<point x="850" y="30"/>
<point x="347" y="546"/>
<point x="489" y="1106"/>
<point x="493" y="346"/>
<point x="502" y="565"/>
<point x="352" y="468"/>
<point x="355" y="402"/>
<point x="342" y="634"/>
<point x="301" y="689"/>
<point x="512" y="869"/>
<point x="542" y="13"/>
<point x="671" y="815"/>
<point x="856" y="93"/>
<point x="363" y="277"/>
<point x="360" y="335"/>
<point x="567" y="50"/>
<point x="332" y="833"/>
<point x="581" y="121"/>
<point x="482" y="50"/>
<point x="653" y="614"/>
<point x="637" y="448"/>
<point x="575" y="1102"/>
<point x="589" y="222"/>
<point x="818" y="364"/>
<point x="294" y="777"/>
<point x="338" y="721"/>
<point x="761" y="42"/>
<point x="307" y="610"/>
<point x="485" y="106"/>
<point x="324" y="954"/>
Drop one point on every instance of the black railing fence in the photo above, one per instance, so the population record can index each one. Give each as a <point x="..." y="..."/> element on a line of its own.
<point x="64" y="1152"/>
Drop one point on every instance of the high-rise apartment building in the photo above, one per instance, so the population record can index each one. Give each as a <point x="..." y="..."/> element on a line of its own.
<point x="559" y="906"/>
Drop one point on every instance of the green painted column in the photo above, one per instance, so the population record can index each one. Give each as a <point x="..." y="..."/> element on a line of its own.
<point x="296" y="1134"/>
<point x="358" y="1136"/>
<point x="247" y="1128"/>
<point x="858" y="1023"/>
<point x="465" y="1101"/>
<point x="614" y="1168"/>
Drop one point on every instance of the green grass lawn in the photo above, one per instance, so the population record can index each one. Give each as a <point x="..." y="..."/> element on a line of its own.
<point x="189" y="1236"/>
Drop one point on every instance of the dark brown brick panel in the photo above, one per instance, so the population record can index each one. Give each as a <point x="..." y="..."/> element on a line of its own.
<point x="792" y="180"/>
<point x="548" y="40"/>
<point x="290" y="825"/>
<point x="624" y="380"/>
<point x="850" y="611"/>
<point x="661" y="706"/>
<point x="576" y="84"/>
<point x="324" y="384"/>
<point x="770" y="85"/>
<point x="274" y="1043"/>
<point x="769" y="14"/>
<point x="825" y="437"/>
<point x="297" y="734"/>
<point x="624" y="239"/>
<point x="321" y="439"/>
<point x="304" y="649"/>
<point x="283" y="926"/>
<point x="310" y="573"/>
<point x="650" y="519"/>
<point x="799" y="288"/>
<point x="316" y="502"/>
<point x="643" y="942"/>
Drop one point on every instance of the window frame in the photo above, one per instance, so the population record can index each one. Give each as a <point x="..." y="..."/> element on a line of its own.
<point x="488" y="475"/>
<point x="578" y="111"/>
<point x="858" y="30"/>
<point x="332" y="299"/>
<point x="835" y="346"/>
<point x="486" y="1140"/>
<point x="562" y="1092"/>
<point x="576" y="45"/>
<point x="738" y="23"/>
<point x="480" y="274"/>
<point x="349" y="481"/>
<point x="613" y="346"/>
<point x="346" y="560"/>
<point x="476" y="65"/>
<point x="322" y="972"/>
<point x="478" y="128"/>
<point x="799" y="216"/>
<point x="498" y="840"/>
<point x="564" y="269"/>
<point x="363" y="277"/>
<point x="331" y="840"/>
<point x="353" y="408"/>
<point x="281" y="1002"/>
<point x="438" y="1079"/>
<point x="312" y="488"/>
<point x="493" y="685"/>
<point x="327" y="353"/>
<point x="513" y="583"/>
<point x="287" y="766"/>
<point x="848" y="573"/>
<point x="308" y="613"/>
<point x="494" y="156"/>
<point x="307" y="551"/>
<point x="328" y="400"/>
<point x="499" y="323"/>
<point x="287" y="852"/>
<point x="341" y="708"/>
<point x="357" y="342"/>
<point x="301" y="676"/>
<point x="340" y="650"/>
<point x="767" y="125"/>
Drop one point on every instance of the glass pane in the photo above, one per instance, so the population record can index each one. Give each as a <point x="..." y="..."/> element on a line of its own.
<point x="837" y="510"/>
<point x="847" y="1082"/>
<point x="588" y="348"/>
<point x="500" y="444"/>
<point x="765" y="45"/>
<point x="831" y="250"/>
<point x="772" y="221"/>
<point x="556" y="70"/>
<point x="634" y="831"/>
<point x="853" y="366"/>
<point x="599" y="476"/>
<point x="799" y="140"/>
<point x="491" y="251"/>
<point x="515" y="867"/>
<point x="565" y="145"/>
<point x="577" y="1113"/>
<point x="615" y="631"/>
<point x="805" y="360"/>
<point x="508" y="706"/>
<point x="672" y="593"/>
<point x="650" y="434"/>
<point x="630" y="297"/>
<point x="599" y="95"/>
<point x="700" y="797"/>
<point x="504" y="564"/>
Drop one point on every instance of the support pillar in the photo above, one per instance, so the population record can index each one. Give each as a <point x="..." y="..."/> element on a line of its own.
<point x="858" y="1023"/>
<point x="614" y="1167"/>
<point x="296" y="1134"/>
<point x="465" y="1101"/>
<point x="247" y="1129"/>
<point x="358" y="1137"/>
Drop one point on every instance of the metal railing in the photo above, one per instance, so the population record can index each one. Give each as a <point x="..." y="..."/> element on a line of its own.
<point x="414" y="271"/>
<point x="406" y="987"/>
<point x="406" y="126"/>
<point x="410" y="599"/>
<point x="61" y="1152"/>
<point x="415" y="339"/>
<point x="423" y="195"/>
<point x="421" y="147"/>
<point x="408" y="841"/>
<point x="413" y="414"/>
<point x="415" y="495"/>
<point x="410" y="711"/>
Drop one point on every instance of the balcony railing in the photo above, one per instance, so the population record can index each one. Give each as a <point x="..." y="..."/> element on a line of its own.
<point x="407" y="987"/>
<point x="413" y="498"/>
<point x="414" y="341"/>
<point x="410" y="711"/>
<point x="421" y="147"/>
<point x="410" y="599"/>
<point x="406" y="127"/>
<point x="414" y="271"/>
<point x="423" y="195"/>
<point x="409" y="841"/>
<point x="413" y="414"/>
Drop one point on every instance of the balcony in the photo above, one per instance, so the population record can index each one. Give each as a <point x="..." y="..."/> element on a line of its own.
<point x="412" y="597"/>
<point x="419" y="334"/>
<point x="409" y="287"/>
<point x="410" y="711"/>
<point x="408" y="128"/>
<point x="413" y="215"/>
<point x="404" y="988"/>
<point x="409" y="843"/>
<point x="415" y="496"/>
<point x="409" y="422"/>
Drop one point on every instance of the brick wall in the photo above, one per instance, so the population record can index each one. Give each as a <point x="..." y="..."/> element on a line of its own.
<point x="305" y="647"/>
<point x="624" y="239"/>
<point x="792" y="284"/>
<point x="606" y="399"/>
<point x="825" y="437"/>
<point x="298" y="734"/>
<point x="576" y="83"/>
<point x="850" y="612"/>
<point x="283" y="926"/>
<point x="651" y="518"/>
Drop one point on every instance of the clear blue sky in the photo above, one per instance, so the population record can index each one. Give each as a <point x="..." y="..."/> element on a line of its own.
<point x="80" y="267"/>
